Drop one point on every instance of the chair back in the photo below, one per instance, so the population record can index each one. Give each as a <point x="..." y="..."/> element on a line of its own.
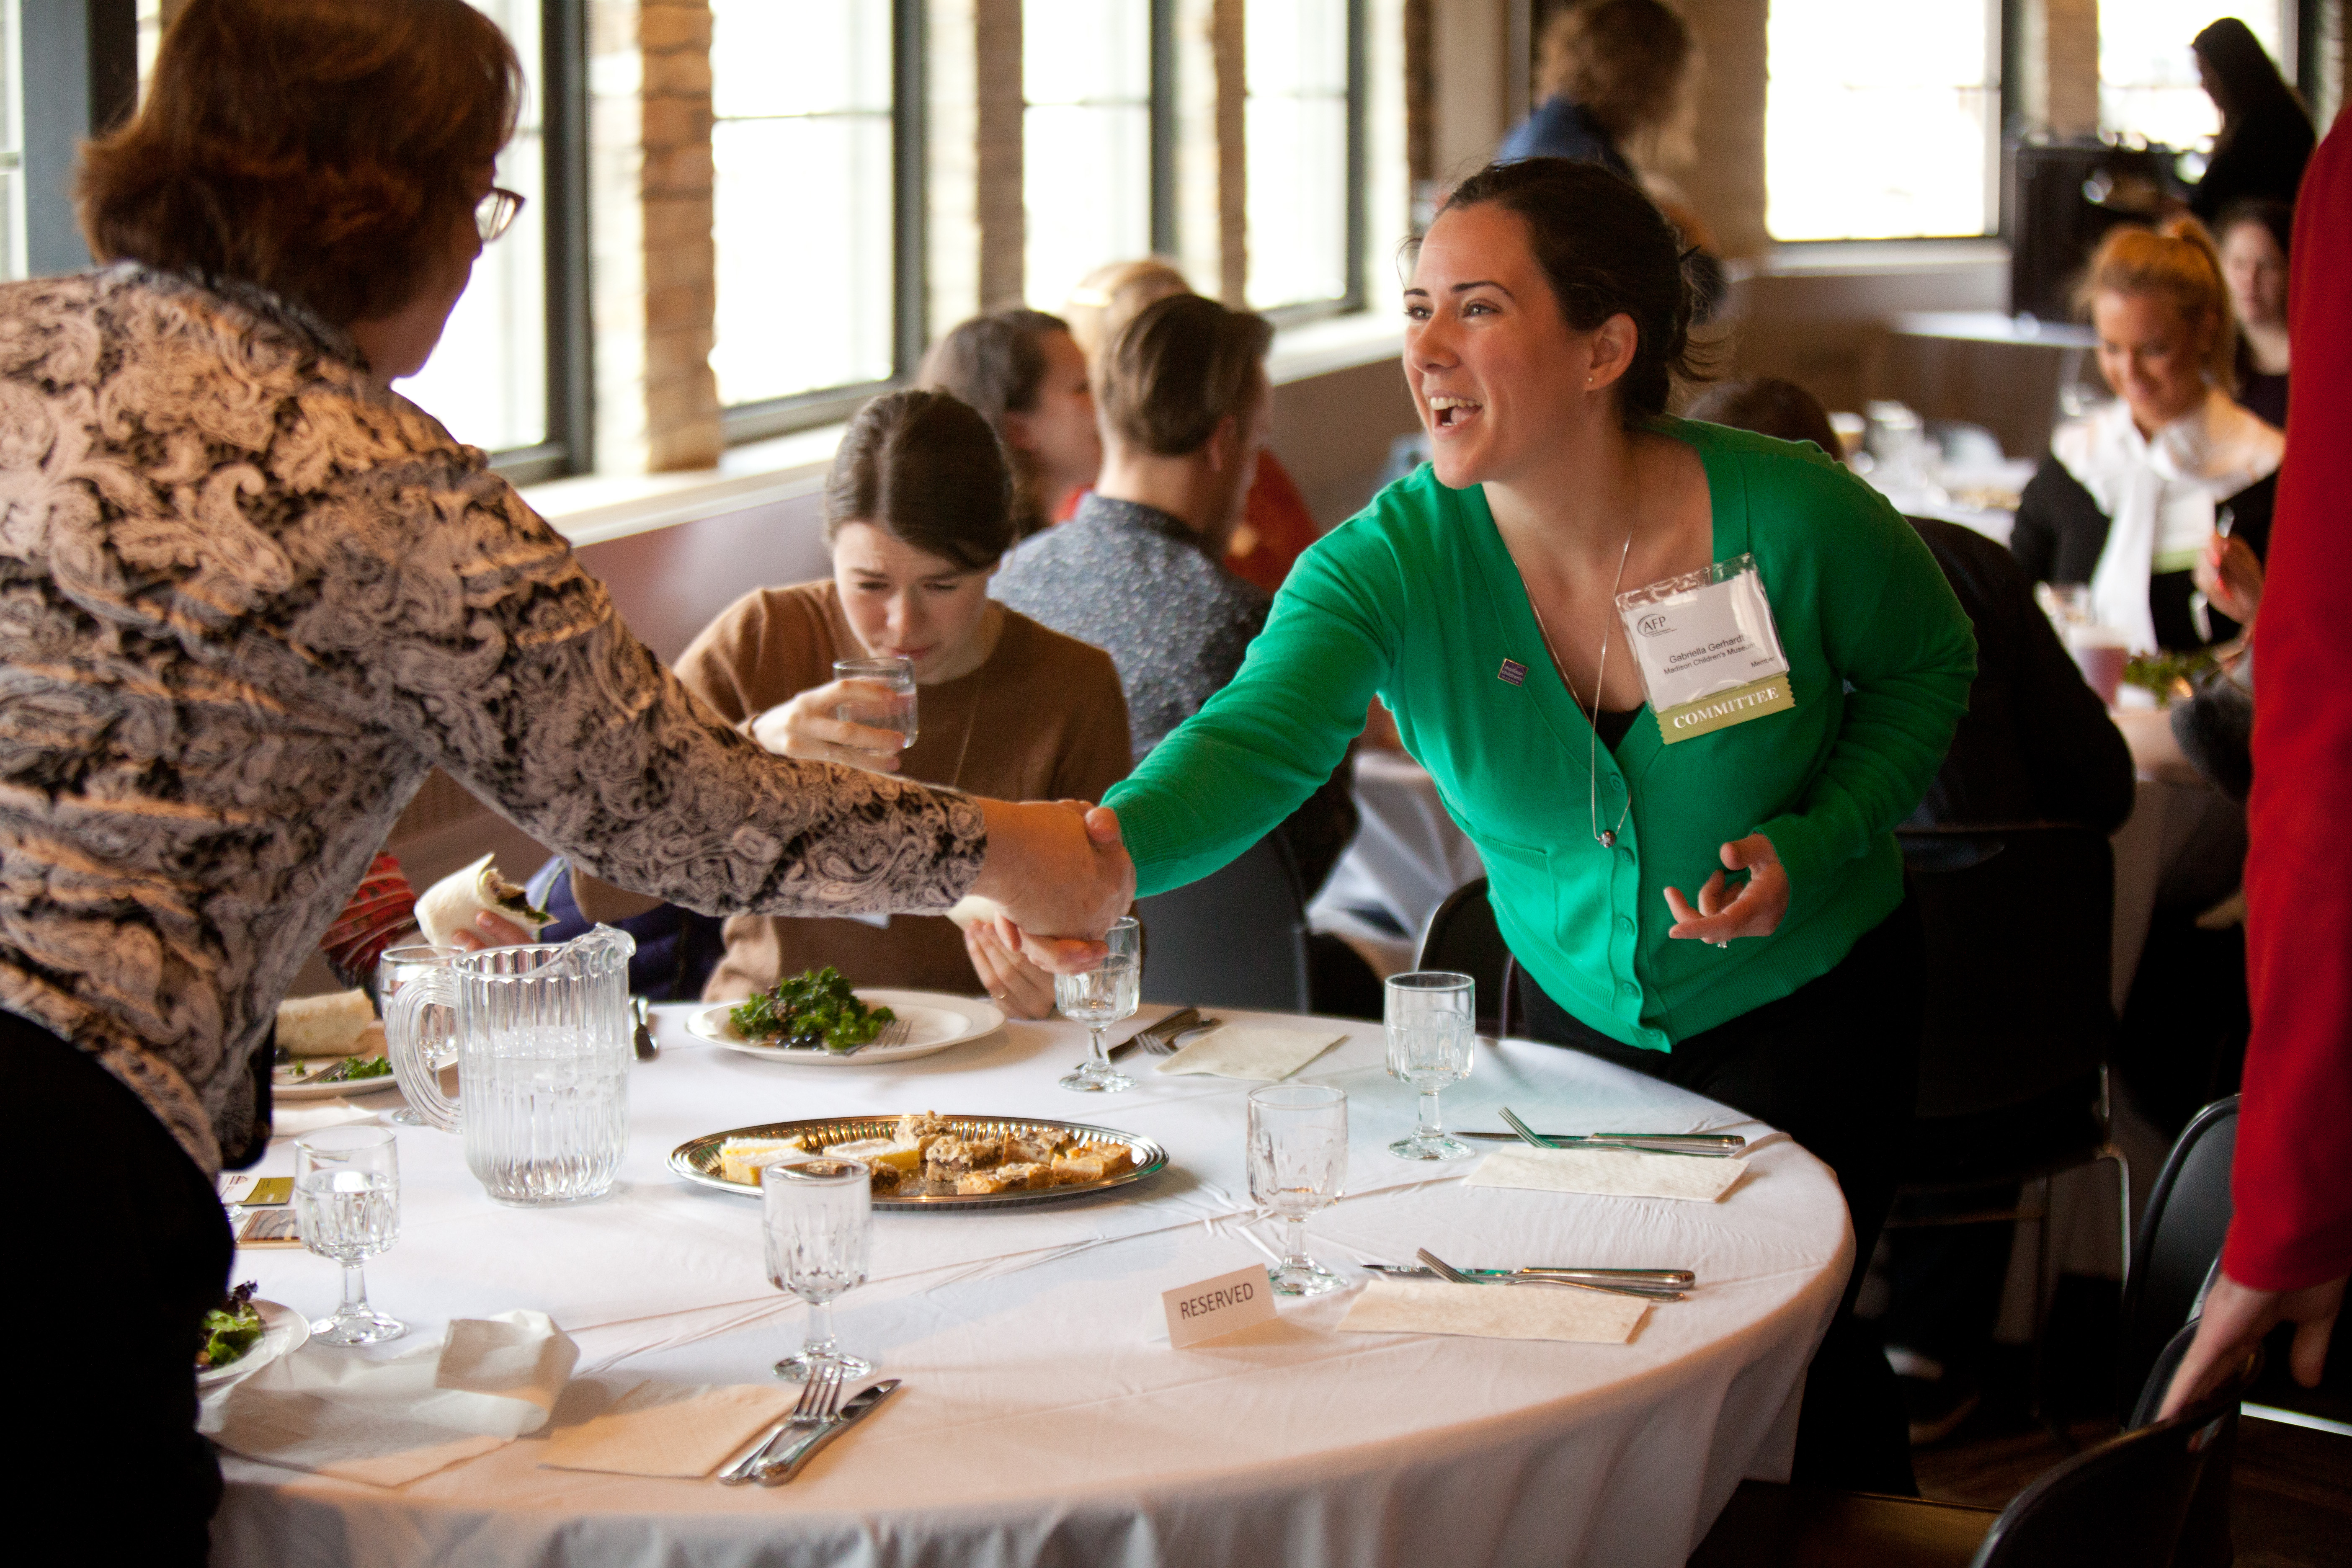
<point x="1236" y="938"/>
<point x="1462" y="936"/>
<point x="2017" y="924"/>
<point x="2179" y="1240"/>
<point x="2143" y="1499"/>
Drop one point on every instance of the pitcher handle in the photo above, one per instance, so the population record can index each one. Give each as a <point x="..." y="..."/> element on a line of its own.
<point x="403" y="1044"/>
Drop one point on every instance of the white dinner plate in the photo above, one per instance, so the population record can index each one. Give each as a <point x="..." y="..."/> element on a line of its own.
<point x="284" y="1330"/>
<point x="280" y="1089"/>
<point x="934" y="1021"/>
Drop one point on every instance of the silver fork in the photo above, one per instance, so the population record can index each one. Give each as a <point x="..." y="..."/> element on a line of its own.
<point x="816" y="1405"/>
<point x="1161" y="1041"/>
<point x="1451" y="1275"/>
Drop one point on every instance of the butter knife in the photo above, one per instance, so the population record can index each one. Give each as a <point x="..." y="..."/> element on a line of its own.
<point x="787" y="1465"/>
<point x="1717" y="1145"/>
<point x="1654" y="1278"/>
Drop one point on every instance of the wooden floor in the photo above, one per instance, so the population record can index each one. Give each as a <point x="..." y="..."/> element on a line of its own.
<point x="2293" y="1506"/>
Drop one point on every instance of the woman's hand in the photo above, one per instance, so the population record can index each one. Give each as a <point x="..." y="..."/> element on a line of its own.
<point x="2232" y="1322"/>
<point x="1013" y="982"/>
<point x="805" y="727"/>
<point x="1752" y="909"/>
<point x="1062" y="876"/>
<point x="491" y="931"/>
<point x="2231" y="578"/>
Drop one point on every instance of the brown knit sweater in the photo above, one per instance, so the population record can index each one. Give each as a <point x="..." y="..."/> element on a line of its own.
<point x="1042" y="720"/>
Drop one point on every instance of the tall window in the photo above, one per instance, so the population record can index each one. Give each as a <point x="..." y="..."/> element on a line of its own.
<point x="487" y="380"/>
<point x="1880" y="129"/>
<point x="1086" y="154"/>
<point x="804" y="148"/>
<point x="1299" y="122"/>
<point x="2148" y="74"/>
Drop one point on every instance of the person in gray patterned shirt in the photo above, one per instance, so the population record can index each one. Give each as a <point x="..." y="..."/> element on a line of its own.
<point x="249" y="596"/>
<point x="1139" y="572"/>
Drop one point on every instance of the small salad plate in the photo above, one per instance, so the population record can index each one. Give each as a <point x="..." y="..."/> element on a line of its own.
<point x="284" y="1330"/>
<point x="929" y="1021"/>
<point x="284" y="1088"/>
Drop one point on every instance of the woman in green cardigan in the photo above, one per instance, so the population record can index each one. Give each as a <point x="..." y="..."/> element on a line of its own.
<point x="1723" y="909"/>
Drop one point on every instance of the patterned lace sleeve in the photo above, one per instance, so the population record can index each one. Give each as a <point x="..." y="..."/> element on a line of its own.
<point x="455" y="615"/>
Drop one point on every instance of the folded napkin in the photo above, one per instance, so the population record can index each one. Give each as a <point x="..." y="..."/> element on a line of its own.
<point x="1610" y="1172"/>
<point x="670" y="1428"/>
<point x="388" y="1423"/>
<point x="298" y="1121"/>
<point x="1410" y="1305"/>
<point x="1252" y="1050"/>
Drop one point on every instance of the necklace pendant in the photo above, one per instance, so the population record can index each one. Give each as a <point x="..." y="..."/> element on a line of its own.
<point x="1607" y="838"/>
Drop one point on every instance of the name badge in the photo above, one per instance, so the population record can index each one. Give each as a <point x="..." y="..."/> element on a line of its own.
<point x="1219" y="1306"/>
<point x="1707" y="647"/>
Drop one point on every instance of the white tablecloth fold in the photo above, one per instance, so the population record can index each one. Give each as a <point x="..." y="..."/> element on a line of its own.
<point x="1390" y="1306"/>
<point x="1610" y="1173"/>
<point x="389" y="1423"/>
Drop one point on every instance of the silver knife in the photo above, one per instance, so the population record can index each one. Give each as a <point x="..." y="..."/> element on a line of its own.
<point x="1661" y="1278"/>
<point x="1648" y="1288"/>
<point x="1174" y="1024"/>
<point x="1717" y="1145"/>
<point x="787" y="1465"/>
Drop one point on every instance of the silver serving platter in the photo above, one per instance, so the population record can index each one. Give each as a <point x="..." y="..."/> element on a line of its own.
<point x="697" y="1159"/>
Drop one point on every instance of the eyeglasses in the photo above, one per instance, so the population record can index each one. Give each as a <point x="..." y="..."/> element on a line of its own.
<point x="495" y="214"/>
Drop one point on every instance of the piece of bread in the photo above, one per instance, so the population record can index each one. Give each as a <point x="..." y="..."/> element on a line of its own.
<point x="739" y="1159"/>
<point x="324" y="1026"/>
<point x="450" y="904"/>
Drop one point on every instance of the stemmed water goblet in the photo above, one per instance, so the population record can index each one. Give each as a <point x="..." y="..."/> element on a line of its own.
<point x="1431" y="1022"/>
<point x="1297" y="1165"/>
<point x="819" y="1219"/>
<point x="1100" y="997"/>
<point x="347" y="1195"/>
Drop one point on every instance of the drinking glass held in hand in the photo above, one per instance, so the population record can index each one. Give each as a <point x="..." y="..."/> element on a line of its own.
<point x="1430" y="1030"/>
<point x="347" y="1195"/>
<point x="1297" y="1165"/>
<point x="819" y="1217"/>
<point x="1101" y="997"/>
<point x="890" y="702"/>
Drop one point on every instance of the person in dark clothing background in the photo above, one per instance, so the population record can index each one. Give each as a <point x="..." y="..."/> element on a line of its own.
<point x="2253" y="235"/>
<point x="2266" y="137"/>
<point x="2035" y="745"/>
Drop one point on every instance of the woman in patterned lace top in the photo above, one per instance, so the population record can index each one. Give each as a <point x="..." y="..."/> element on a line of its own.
<point x="249" y="596"/>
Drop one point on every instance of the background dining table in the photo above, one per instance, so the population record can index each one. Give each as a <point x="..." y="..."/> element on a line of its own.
<point x="1044" y="1417"/>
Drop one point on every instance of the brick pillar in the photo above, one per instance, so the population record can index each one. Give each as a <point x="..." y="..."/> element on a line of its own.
<point x="2070" y="33"/>
<point x="1226" y="40"/>
<point x="650" y="192"/>
<point x="1004" y="214"/>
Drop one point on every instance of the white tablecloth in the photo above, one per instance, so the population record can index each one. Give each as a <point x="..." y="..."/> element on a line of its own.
<point x="1045" y="1418"/>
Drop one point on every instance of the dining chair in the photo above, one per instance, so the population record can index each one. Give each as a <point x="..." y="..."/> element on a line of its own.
<point x="2017" y="1028"/>
<point x="2140" y="1500"/>
<point x="1236" y="938"/>
<point x="1462" y="936"/>
<point x="2181" y="1237"/>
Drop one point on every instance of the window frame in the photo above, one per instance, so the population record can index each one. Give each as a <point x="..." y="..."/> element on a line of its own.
<point x="569" y="447"/>
<point x="911" y="281"/>
<point x="1353" y="299"/>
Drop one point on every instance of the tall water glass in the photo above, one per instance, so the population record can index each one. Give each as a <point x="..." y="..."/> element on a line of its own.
<point x="418" y="1045"/>
<point x="890" y="708"/>
<point x="347" y="1195"/>
<point x="819" y="1218"/>
<point x="1297" y="1165"/>
<point x="1431" y="1017"/>
<point x="1101" y="997"/>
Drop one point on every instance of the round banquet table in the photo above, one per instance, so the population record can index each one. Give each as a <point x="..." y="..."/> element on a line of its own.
<point x="1043" y="1417"/>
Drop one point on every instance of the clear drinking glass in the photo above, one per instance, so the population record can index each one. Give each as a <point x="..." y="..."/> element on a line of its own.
<point x="346" y="1194"/>
<point x="894" y="708"/>
<point x="1099" y="999"/>
<point x="819" y="1217"/>
<point x="1297" y="1165"/>
<point x="425" y="1054"/>
<point x="1431" y="1022"/>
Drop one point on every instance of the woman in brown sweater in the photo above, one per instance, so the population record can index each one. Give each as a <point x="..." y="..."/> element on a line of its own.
<point x="917" y="512"/>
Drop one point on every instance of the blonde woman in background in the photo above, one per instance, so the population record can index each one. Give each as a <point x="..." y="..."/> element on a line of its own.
<point x="1275" y="527"/>
<point x="2161" y="499"/>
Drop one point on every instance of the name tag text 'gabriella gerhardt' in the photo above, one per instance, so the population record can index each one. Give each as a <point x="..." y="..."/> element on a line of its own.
<point x="1218" y="1306"/>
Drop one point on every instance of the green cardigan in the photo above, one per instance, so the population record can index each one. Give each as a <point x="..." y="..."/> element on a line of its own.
<point x="1417" y="598"/>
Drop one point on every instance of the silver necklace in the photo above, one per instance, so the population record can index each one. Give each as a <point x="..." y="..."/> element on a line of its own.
<point x="1604" y="837"/>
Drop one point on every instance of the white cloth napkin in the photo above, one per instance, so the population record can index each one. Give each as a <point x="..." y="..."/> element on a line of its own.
<point x="1409" y="1306"/>
<point x="1252" y="1051"/>
<point x="1610" y="1172"/>
<point x="388" y="1423"/>
<point x="670" y="1428"/>
<point x="298" y="1121"/>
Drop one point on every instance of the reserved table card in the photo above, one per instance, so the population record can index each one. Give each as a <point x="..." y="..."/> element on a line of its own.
<point x="1408" y="1306"/>
<point x="1218" y="1306"/>
<point x="1610" y="1172"/>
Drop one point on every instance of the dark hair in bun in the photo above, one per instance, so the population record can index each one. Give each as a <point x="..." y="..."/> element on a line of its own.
<point x="1607" y="250"/>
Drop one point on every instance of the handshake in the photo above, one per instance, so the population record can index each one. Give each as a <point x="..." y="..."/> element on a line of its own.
<point x="1056" y="876"/>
